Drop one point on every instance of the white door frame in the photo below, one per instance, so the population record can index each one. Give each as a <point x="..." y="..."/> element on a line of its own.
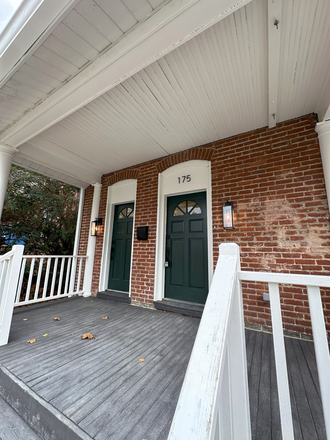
<point x="123" y="191"/>
<point x="169" y="185"/>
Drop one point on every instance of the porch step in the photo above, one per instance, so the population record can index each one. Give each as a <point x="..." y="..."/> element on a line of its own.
<point x="113" y="295"/>
<point x="45" y="420"/>
<point x="182" y="307"/>
<point x="12" y="426"/>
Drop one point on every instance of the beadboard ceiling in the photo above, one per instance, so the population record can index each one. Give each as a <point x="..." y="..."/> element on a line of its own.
<point x="218" y="83"/>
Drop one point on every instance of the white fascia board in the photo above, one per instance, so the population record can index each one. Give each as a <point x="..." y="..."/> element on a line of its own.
<point x="174" y="24"/>
<point x="27" y="30"/>
<point x="66" y="163"/>
<point x="274" y="42"/>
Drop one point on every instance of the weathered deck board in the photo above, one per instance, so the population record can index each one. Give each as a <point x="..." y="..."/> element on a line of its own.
<point x="308" y="421"/>
<point x="101" y="386"/>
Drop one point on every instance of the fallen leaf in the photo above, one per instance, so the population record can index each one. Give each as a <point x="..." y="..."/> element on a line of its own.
<point x="87" y="336"/>
<point x="46" y="334"/>
<point x="141" y="360"/>
<point x="57" y="319"/>
<point x="25" y="319"/>
<point x="105" y="317"/>
<point x="95" y="339"/>
<point x="31" y="341"/>
<point x="71" y="334"/>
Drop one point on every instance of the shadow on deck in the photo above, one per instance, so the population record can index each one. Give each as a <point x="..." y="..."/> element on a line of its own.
<point x="100" y="390"/>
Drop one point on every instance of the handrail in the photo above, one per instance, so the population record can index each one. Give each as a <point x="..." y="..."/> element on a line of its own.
<point x="285" y="278"/>
<point x="219" y="406"/>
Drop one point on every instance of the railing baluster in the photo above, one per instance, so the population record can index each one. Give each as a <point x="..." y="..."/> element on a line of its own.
<point x="73" y="275"/>
<point x="27" y="295"/>
<point x="21" y="277"/>
<point x="68" y="267"/>
<point x="61" y="277"/>
<point x="280" y="361"/>
<point x="36" y="292"/>
<point x="54" y="277"/>
<point x="44" y="293"/>
<point x="321" y="350"/>
<point x="79" y="274"/>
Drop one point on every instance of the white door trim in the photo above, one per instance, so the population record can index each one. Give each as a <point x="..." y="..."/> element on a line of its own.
<point x="168" y="185"/>
<point x="118" y="193"/>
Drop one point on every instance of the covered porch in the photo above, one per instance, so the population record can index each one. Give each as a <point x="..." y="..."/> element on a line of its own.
<point x="98" y="389"/>
<point x="137" y="103"/>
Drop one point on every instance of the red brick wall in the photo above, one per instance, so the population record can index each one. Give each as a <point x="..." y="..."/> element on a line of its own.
<point x="274" y="176"/>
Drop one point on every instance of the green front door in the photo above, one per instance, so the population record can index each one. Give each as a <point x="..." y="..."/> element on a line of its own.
<point x="186" y="248"/>
<point x="121" y="248"/>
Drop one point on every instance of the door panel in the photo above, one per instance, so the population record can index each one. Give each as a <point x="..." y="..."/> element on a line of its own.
<point x="177" y="246"/>
<point x="121" y="249"/>
<point x="196" y="264"/>
<point x="186" y="276"/>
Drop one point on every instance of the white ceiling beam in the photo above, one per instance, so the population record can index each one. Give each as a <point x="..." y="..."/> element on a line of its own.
<point x="174" y="24"/>
<point x="29" y="27"/>
<point x="274" y="42"/>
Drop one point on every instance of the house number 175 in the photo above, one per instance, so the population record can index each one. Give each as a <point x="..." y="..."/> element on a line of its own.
<point x="184" y="179"/>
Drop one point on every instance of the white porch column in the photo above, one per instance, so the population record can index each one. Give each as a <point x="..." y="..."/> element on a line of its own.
<point x="77" y="240"/>
<point x="323" y="130"/>
<point x="6" y="158"/>
<point x="91" y="242"/>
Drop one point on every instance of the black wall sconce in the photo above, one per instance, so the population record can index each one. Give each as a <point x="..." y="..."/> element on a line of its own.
<point x="228" y="215"/>
<point x="96" y="227"/>
<point x="142" y="232"/>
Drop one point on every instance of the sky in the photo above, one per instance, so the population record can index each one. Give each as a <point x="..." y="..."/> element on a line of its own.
<point x="7" y="10"/>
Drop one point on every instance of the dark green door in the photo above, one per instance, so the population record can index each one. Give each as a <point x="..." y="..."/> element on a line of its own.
<point x="186" y="248"/>
<point x="121" y="248"/>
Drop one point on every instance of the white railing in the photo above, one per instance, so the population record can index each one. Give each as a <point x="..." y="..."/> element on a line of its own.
<point x="313" y="283"/>
<point x="10" y="264"/>
<point x="214" y="402"/>
<point x="44" y="277"/>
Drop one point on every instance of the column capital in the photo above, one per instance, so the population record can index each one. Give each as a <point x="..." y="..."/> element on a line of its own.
<point x="7" y="149"/>
<point x="97" y="185"/>
<point x="322" y="127"/>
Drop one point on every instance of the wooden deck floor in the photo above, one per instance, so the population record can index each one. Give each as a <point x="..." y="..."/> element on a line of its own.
<point x="102" y="387"/>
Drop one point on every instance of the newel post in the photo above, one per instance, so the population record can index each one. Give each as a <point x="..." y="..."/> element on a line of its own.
<point x="239" y="392"/>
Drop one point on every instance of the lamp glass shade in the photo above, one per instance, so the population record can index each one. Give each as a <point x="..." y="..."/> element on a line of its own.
<point x="228" y="216"/>
<point x="96" y="227"/>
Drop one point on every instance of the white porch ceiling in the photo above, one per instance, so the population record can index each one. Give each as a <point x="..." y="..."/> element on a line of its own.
<point x="214" y="86"/>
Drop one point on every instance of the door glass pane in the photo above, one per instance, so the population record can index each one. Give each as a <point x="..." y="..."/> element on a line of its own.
<point x="196" y="210"/>
<point x="130" y="212"/>
<point x="181" y="209"/>
<point x="190" y="205"/>
<point x="177" y="212"/>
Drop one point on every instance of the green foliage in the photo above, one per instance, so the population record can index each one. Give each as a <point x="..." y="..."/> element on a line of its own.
<point x="39" y="211"/>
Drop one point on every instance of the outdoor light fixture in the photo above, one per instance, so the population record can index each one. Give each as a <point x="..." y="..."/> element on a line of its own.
<point x="228" y="215"/>
<point x="96" y="227"/>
